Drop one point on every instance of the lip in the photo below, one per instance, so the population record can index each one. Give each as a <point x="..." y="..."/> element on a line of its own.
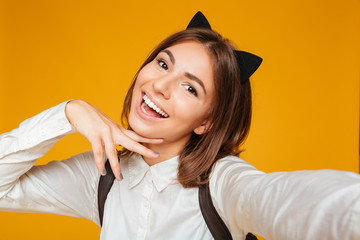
<point x="142" y="114"/>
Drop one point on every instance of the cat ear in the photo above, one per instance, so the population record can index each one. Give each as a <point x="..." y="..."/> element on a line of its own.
<point x="199" y="21"/>
<point x="248" y="64"/>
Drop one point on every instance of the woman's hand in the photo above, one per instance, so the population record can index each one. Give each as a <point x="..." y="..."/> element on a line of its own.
<point x="103" y="134"/>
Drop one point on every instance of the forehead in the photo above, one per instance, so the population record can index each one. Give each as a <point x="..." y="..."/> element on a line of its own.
<point x="192" y="51"/>
<point x="193" y="57"/>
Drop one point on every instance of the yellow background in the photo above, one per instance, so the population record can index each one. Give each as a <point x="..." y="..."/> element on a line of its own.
<point x="306" y="93"/>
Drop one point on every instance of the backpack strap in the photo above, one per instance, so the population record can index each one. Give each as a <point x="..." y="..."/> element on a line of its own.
<point x="214" y="222"/>
<point x="105" y="184"/>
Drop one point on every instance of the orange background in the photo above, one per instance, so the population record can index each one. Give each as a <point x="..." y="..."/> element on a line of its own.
<point x="306" y="93"/>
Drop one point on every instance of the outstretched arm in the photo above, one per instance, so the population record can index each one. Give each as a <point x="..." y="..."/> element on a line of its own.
<point x="322" y="204"/>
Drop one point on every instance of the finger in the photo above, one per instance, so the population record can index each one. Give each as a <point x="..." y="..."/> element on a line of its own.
<point x="112" y="155"/>
<point x="134" y="146"/>
<point x="99" y="156"/>
<point x="136" y="137"/>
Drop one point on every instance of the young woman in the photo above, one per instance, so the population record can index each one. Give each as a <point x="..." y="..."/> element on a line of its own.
<point x="186" y="113"/>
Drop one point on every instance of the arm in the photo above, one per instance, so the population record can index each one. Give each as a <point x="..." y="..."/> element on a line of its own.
<point x="321" y="204"/>
<point x="20" y="148"/>
<point x="67" y="187"/>
<point x="103" y="134"/>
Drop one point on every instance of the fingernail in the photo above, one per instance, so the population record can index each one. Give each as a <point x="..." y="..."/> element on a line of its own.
<point x="103" y="171"/>
<point x="156" y="153"/>
<point x="121" y="176"/>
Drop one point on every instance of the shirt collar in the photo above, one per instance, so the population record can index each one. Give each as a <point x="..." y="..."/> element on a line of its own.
<point x="162" y="173"/>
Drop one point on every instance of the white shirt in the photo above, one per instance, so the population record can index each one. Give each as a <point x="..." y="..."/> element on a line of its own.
<point x="150" y="204"/>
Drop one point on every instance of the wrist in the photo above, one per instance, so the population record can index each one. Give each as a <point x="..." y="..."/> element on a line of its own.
<point x="68" y="108"/>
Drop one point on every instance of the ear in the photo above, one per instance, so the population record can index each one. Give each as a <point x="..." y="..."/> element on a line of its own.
<point x="203" y="128"/>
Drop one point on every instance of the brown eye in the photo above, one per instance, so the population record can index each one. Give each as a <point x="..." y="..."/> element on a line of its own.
<point x="191" y="89"/>
<point x="163" y="64"/>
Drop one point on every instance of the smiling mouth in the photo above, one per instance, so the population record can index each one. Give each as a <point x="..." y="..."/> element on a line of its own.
<point x="150" y="108"/>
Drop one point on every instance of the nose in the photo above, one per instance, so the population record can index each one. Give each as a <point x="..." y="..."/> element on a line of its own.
<point x="164" y="85"/>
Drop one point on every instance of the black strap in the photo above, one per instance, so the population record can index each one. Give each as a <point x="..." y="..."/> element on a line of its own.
<point x="251" y="236"/>
<point x="105" y="184"/>
<point x="214" y="222"/>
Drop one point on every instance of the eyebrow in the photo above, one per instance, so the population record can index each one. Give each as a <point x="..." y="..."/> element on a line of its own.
<point x="187" y="74"/>
<point x="196" y="79"/>
<point x="171" y="56"/>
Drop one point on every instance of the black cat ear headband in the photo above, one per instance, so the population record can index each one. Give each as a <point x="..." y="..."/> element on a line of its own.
<point x="247" y="62"/>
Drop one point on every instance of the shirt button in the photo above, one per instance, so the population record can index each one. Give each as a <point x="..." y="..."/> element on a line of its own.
<point x="43" y="132"/>
<point x="62" y="125"/>
<point x="28" y="140"/>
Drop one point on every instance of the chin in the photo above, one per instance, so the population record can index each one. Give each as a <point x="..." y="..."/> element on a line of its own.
<point x="144" y="131"/>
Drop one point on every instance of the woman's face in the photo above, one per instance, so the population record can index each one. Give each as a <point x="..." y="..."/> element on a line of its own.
<point x="173" y="94"/>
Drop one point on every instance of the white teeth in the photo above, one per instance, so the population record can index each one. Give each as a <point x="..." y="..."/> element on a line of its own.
<point x="153" y="106"/>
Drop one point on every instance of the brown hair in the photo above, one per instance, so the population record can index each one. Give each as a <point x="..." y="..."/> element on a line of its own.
<point x="231" y="115"/>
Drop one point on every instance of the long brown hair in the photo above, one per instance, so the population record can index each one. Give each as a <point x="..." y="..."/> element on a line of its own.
<point x="231" y="115"/>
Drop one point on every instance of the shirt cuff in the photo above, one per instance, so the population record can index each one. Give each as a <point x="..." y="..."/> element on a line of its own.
<point x="49" y="125"/>
<point x="44" y="126"/>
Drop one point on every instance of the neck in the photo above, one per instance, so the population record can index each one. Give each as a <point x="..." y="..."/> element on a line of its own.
<point x="166" y="151"/>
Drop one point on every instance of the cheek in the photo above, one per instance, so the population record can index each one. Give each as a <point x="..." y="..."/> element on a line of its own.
<point x="183" y="105"/>
<point x="146" y="73"/>
<point x="131" y="121"/>
<point x="135" y="95"/>
<point x="192" y="111"/>
<point x="136" y="124"/>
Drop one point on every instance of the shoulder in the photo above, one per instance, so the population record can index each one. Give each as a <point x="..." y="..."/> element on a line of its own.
<point x="231" y="172"/>
<point x="233" y="165"/>
<point x="84" y="160"/>
<point x="81" y="168"/>
<point x="229" y="180"/>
